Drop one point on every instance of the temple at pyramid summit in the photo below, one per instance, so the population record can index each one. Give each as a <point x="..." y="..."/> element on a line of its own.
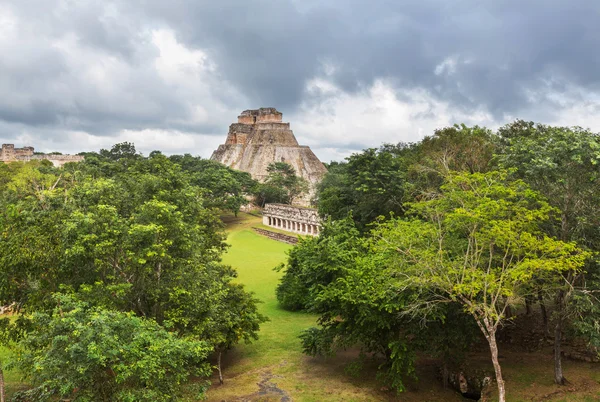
<point x="259" y="138"/>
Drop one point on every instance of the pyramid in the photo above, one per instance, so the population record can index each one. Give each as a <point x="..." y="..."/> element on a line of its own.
<point x="260" y="138"/>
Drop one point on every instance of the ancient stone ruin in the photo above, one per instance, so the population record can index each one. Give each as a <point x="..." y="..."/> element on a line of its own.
<point x="260" y="138"/>
<point x="11" y="154"/>
<point x="300" y="220"/>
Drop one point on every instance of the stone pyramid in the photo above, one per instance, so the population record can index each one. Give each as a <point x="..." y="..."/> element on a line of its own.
<point x="260" y="138"/>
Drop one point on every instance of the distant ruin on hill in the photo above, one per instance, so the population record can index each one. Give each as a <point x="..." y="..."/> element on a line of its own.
<point x="260" y="138"/>
<point x="11" y="154"/>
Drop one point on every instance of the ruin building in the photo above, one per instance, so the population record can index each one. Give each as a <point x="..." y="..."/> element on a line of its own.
<point x="11" y="154"/>
<point x="299" y="220"/>
<point x="259" y="138"/>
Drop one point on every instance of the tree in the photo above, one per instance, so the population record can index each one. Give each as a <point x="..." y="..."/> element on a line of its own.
<point x="316" y="262"/>
<point x="478" y="244"/>
<point x="282" y="185"/>
<point x="338" y="276"/>
<point x="562" y="163"/>
<point x="457" y="148"/>
<point x="226" y="188"/>
<point x="87" y="353"/>
<point x="371" y="183"/>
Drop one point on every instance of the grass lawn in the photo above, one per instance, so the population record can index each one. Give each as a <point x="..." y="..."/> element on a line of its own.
<point x="12" y="378"/>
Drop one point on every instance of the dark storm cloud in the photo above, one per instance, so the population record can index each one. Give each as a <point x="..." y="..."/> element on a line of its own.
<point x="504" y="57"/>
<point x="502" y="49"/>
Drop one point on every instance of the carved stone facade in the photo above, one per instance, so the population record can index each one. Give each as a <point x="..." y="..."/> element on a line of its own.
<point x="11" y="154"/>
<point x="260" y="138"/>
<point x="300" y="220"/>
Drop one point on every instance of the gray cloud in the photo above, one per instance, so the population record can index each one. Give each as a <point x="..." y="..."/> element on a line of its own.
<point x="502" y="49"/>
<point x="91" y="65"/>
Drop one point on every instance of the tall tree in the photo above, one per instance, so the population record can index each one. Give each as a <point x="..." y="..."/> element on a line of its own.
<point x="225" y="188"/>
<point x="282" y="185"/>
<point x="457" y="148"/>
<point x="369" y="184"/>
<point x="563" y="163"/>
<point x="478" y="244"/>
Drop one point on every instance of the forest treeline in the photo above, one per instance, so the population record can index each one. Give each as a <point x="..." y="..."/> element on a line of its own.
<point x="429" y="247"/>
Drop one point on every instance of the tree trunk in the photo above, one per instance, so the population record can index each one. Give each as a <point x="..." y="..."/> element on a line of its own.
<point x="491" y="338"/>
<point x="527" y="305"/>
<point x="445" y="375"/>
<point x="219" y="368"/>
<point x="2" y="396"/>
<point x="544" y="314"/>
<point x="558" y="371"/>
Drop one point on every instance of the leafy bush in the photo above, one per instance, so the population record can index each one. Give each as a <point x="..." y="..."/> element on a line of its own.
<point x="316" y="262"/>
<point x="87" y="353"/>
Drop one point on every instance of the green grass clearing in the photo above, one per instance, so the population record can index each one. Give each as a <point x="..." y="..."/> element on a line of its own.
<point x="12" y="378"/>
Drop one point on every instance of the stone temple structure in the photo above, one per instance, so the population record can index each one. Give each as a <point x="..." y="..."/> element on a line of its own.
<point x="304" y="221"/>
<point x="260" y="138"/>
<point x="11" y="154"/>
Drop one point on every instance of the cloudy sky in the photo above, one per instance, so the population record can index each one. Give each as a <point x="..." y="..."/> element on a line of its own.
<point x="172" y="75"/>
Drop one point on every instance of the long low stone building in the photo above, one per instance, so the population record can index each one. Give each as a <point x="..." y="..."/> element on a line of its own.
<point x="8" y="154"/>
<point x="299" y="220"/>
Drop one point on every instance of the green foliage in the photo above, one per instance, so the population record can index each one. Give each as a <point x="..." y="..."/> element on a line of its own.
<point x="458" y="148"/>
<point x="226" y="188"/>
<point x="125" y="233"/>
<point x="370" y="184"/>
<point x="87" y="353"/>
<point x="338" y="276"/>
<point x="564" y="165"/>
<point x="479" y="244"/>
<point x="316" y="262"/>
<point x="378" y="182"/>
<point x="282" y="185"/>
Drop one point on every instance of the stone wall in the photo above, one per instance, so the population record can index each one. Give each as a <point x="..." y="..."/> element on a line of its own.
<point x="58" y="160"/>
<point x="11" y="154"/>
<point x="300" y="220"/>
<point x="277" y="236"/>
